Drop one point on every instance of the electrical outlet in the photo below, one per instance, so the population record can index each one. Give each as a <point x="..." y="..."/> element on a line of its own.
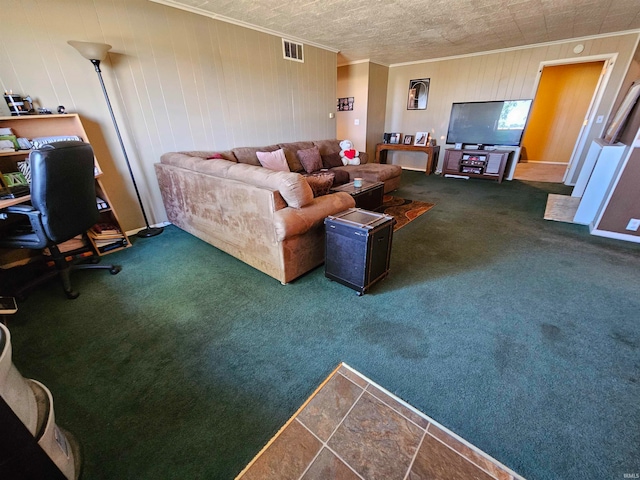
<point x="633" y="224"/>
<point x="356" y="121"/>
<point x="600" y="119"/>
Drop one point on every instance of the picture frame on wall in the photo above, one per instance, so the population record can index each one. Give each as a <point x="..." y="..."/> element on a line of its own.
<point x="418" y="94"/>
<point x="421" y="139"/>
<point x="617" y="124"/>
<point x="345" y="104"/>
<point x="408" y="139"/>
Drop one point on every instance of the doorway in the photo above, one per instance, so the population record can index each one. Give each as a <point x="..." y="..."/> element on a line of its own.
<point x="559" y="111"/>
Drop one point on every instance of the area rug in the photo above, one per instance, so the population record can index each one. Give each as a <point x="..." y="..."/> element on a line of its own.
<point x="404" y="210"/>
<point x="353" y="429"/>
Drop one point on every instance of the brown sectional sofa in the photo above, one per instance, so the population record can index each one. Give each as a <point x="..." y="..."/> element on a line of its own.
<point x="268" y="219"/>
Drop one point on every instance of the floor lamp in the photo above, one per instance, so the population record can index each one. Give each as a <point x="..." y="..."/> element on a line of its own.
<point x="96" y="52"/>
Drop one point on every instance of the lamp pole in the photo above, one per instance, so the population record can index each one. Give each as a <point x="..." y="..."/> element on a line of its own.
<point x="95" y="52"/>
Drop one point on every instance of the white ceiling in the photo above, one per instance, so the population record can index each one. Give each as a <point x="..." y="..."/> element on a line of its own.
<point x="398" y="31"/>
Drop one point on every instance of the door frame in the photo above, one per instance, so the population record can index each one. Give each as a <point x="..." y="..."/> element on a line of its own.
<point x="590" y="118"/>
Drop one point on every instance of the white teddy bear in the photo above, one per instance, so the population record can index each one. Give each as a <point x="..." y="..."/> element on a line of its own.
<point x="348" y="154"/>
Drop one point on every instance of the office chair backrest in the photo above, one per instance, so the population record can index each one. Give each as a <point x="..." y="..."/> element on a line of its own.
<point x="63" y="188"/>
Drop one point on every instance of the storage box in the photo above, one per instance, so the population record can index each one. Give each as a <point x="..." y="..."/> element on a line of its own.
<point x="358" y="248"/>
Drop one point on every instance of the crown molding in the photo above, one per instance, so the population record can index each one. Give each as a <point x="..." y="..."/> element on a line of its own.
<point x="522" y="47"/>
<point x="366" y="60"/>
<point x="222" y="18"/>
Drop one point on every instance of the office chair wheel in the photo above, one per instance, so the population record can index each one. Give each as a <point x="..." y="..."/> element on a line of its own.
<point x="71" y="294"/>
<point x="115" y="269"/>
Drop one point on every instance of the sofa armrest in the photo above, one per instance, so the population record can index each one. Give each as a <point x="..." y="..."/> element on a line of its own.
<point x="297" y="221"/>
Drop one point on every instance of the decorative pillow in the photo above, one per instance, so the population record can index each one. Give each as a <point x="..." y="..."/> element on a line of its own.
<point x="332" y="160"/>
<point x="310" y="159"/>
<point x="320" y="183"/>
<point x="341" y="176"/>
<point x="215" y="156"/>
<point x="273" y="160"/>
<point x="42" y="141"/>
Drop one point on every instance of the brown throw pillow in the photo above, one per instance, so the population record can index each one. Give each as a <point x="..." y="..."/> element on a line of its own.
<point x="320" y="183"/>
<point x="310" y="159"/>
<point x="332" y="160"/>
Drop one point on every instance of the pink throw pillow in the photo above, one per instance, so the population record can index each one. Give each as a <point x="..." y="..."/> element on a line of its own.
<point x="273" y="160"/>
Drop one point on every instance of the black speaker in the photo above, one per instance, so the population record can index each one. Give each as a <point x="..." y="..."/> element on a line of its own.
<point x="358" y="248"/>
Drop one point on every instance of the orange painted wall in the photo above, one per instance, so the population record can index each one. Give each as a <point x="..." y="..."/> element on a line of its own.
<point x="560" y="106"/>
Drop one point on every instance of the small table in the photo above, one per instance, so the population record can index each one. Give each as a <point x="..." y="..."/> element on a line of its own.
<point x="432" y="153"/>
<point x="367" y="197"/>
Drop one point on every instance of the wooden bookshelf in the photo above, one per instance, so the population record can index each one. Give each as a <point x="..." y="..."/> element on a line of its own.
<point x="34" y="126"/>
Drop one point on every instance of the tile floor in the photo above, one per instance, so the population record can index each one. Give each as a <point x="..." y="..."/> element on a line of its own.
<point x="352" y="429"/>
<point x="540" y="172"/>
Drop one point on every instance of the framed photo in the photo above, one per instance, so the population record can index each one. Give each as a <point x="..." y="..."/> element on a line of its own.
<point x="617" y="124"/>
<point x="345" y="104"/>
<point x="408" y="139"/>
<point x="418" y="94"/>
<point x="421" y="139"/>
<point x="395" y="138"/>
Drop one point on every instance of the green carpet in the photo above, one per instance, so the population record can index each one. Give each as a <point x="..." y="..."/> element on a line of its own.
<point x="519" y="334"/>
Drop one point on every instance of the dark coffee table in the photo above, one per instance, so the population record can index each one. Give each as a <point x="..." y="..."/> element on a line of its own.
<point x="367" y="197"/>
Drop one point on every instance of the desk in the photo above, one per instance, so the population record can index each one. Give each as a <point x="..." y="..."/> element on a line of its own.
<point x="14" y="201"/>
<point x="432" y="153"/>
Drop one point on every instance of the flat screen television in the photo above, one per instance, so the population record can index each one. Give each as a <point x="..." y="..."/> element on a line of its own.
<point x="488" y="123"/>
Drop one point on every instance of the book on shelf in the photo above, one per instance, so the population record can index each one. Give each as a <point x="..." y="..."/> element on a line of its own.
<point x="106" y="245"/>
<point x="104" y="235"/>
<point x="104" y="231"/>
<point x="101" y="203"/>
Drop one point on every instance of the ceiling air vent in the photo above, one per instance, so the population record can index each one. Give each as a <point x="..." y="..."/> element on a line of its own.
<point x="292" y="51"/>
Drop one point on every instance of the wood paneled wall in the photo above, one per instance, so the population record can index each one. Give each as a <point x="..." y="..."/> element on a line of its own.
<point x="377" y="105"/>
<point x="177" y="81"/>
<point x="353" y="81"/>
<point x="507" y="75"/>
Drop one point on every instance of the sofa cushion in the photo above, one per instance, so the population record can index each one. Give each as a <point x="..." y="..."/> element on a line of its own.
<point x="226" y="155"/>
<point x="331" y="160"/>
<point x="327" y="146"/>
<point x="292" y="186"/>
<point x="248" y="154"/>
<point x="373" y="172"/>
<point x="291" y="150"/>
<point x="273" y="160"/>
<point x="310" y="159"/>
<point x="320" y="182"/>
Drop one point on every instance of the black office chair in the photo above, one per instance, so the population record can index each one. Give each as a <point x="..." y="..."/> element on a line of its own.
<point x="63" y="206"/>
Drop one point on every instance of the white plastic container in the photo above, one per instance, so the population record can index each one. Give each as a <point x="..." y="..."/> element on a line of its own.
<point x="57" y="443"/>
<point x="14" y="389"/>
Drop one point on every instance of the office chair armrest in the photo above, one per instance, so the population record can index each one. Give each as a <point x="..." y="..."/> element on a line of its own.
<point x="17" y="236"/>
<point x="21" y="208"/>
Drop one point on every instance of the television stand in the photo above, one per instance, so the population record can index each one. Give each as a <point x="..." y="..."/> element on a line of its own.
<point x="489" y="164"/>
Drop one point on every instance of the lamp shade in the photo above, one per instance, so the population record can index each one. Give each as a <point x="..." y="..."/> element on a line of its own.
<point x="91" y="50"/>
